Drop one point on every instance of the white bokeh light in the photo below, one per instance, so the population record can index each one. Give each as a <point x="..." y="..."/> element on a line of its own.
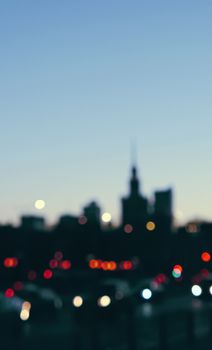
<point x="40" y="204"/>
<point x="146" y="294"/>
<point x="196" y="290"/>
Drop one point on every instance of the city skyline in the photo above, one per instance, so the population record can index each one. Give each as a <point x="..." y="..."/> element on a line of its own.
<point x="80" y="81"/>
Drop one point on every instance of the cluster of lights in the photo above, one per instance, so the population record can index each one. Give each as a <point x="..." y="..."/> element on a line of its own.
<point x="25" y="311"/>
<point x="103" y="301"/>
<point x="10" y="262"/>
<point x="64" y="264"/>
<point x="110" y="265"/>
<point x="177" y="271"/>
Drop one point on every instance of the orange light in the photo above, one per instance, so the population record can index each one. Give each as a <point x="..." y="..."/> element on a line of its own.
<point x="65" y="264"/>
<point x="150" y="226"/>
<point x="10" y="262"/>
<point x="112" y="265"/>
<point x="47" y="274"/>
<point x="178" y="268"/>
<point x="105" y="265"/>
<point x="93" y="264"/>
<point x="206" y="257"/>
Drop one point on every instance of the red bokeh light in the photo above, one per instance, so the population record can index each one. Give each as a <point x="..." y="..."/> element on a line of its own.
<point x="18" y="285"/>
<point x="206" y="257"/>
<point x="161" y="278"/>
<point x="204" y="273"/>
<point x="53" y="264"/>
<point x="9" y="293"/>
<point x="105" y="265"/>
<point x="32" y="275"/>
<point x="126" y="265"/>
<point x="65" y="264"/>
<point x="82" y="220"/>
<point x="10" y="262"/>
<point x="128" y="228"/>
<point x="58" y="255"/>
<point x="47" y="274"/>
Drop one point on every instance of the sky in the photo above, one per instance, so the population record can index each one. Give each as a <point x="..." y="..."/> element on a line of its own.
<point x="81" y="81"/>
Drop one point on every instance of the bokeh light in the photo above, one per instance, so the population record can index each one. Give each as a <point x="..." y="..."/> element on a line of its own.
<point x="146" y="294"/>
<point x="205" y="256"/>
<point x="39" y="204"/>
<point x="104" y="301"/>
<point x="196" y="290"/>
<point x="150" y="226"/>
<point x="128" y="228"/>
<point x="77" y="301"/>
<point x="106" y="217"/>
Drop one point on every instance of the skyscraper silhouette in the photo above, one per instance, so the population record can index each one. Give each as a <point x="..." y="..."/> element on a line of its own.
<point x="135" y="206"/>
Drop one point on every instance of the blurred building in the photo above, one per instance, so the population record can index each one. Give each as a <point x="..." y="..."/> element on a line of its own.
<point x="135" y="206"/>
<point x="35" y="223"/>
<point x="67" y="222"/>
<point x="92" y="213"/>
<point x="163" y="209"/>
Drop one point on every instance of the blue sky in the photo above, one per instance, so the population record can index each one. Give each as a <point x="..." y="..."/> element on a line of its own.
<point x="80" y="80"/>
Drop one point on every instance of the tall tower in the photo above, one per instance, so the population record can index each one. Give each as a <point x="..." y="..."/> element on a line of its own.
<point x="134" y="207"/>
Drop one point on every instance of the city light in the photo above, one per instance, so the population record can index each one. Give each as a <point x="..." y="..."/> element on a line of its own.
<point x="24" y="315"/>
<point x="210" y="290"/>
<point x="177" y="271"/>
<point x="53" y="264"/>
<point x="82" y="220"/>
<point x="9" y="293"/>
<point x="106" y="217"/>
<point x="65" y="264"/>
<point x="150" y="226"/>
<point x="146" y="294"/>
<point x="206" y="257"/>
<point x="10" y="262"/>
<point x="26" y="305"/>
<point x="196" y="290"/>
<point x="77" y="301"/>
<point x="104" y="301"/>
<point x="39" y="204"/>
<point x="128" y="228"/>
<point x="47" y="274"/>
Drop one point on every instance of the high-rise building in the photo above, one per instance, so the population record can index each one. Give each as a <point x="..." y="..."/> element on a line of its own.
<point x="92" y="213"/>
<point x="135" y="206"/>
<point x="163" y="208"/>
<point x="32" y="223"/>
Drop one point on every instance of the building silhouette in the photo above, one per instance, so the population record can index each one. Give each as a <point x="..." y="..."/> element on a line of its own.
<point x="135" y="206"/>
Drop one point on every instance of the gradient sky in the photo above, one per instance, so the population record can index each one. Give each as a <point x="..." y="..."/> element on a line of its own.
<point x="81" y="79"/>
